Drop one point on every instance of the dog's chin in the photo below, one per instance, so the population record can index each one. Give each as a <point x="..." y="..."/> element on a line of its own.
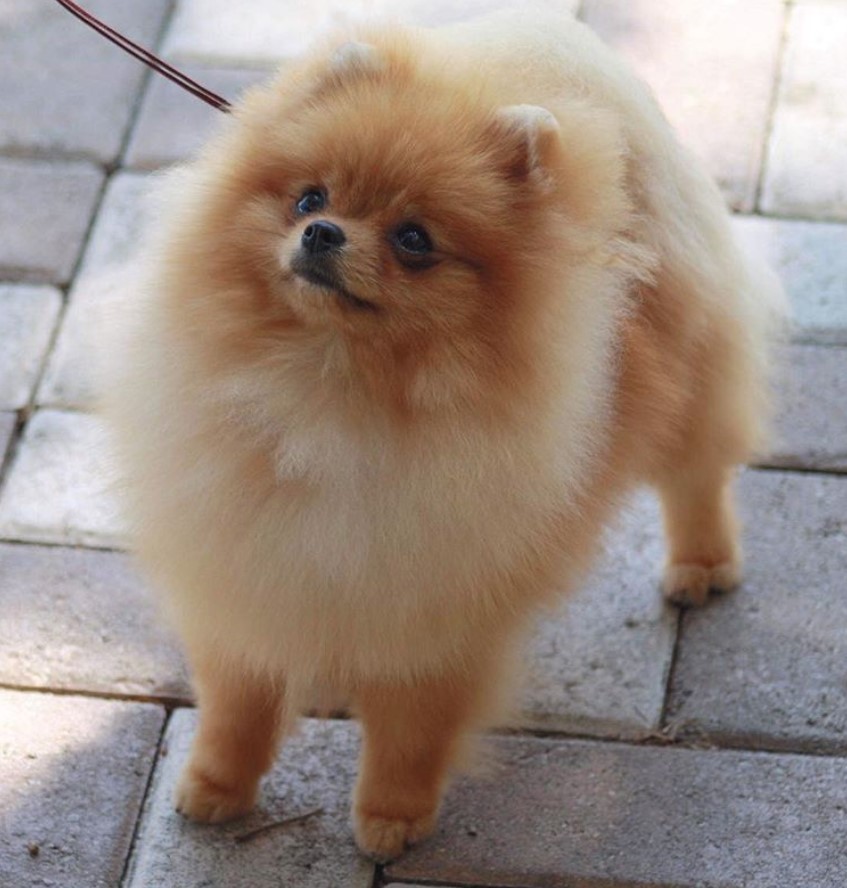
<point x="328" y="285"/>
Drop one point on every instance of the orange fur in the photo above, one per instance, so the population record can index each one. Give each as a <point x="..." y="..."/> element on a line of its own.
<point x="369" y="502"/>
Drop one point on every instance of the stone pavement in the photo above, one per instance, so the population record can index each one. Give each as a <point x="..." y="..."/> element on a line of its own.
<point x="695" y="750"/>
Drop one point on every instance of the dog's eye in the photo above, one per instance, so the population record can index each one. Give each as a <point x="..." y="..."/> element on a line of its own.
<point x="310" y="202"/>
<point x="413" y="239"/>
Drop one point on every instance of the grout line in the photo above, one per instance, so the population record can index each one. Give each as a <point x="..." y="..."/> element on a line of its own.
<point x="773" y="104"/>
<point x="50" y="544"/>
<point x="772" y="468"/>
<point x="144" y="88"/>
<point x="671" y="673"/>
<point x="130" y="852"/>
<point x="166" y="701"/>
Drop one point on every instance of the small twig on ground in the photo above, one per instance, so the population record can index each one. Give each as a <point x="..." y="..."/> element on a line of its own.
<point x="297" y="818"/>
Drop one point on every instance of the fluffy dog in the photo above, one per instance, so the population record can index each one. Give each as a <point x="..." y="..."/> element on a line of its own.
<point x="414" y="322"/>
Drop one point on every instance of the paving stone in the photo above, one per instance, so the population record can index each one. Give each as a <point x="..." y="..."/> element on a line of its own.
<point x="72" y="778"/>
<point x="27" y="317"/>
<point x="45" y="209"/>
<point x="58" y="488"/>
<point x="559" y="814"/>
<point x="172" y="124"/>
<point x="811" y="260"/>
<point x="103" y="285"/>
<point x="265" y="31"/>
<point x="66" y="90"/>
<point x="7" y="427"/>
<point x="806" y="168"/>
<point x="82" y="620"/>
<point x="765" y="665"/>
<point x="600" y="662"/>
<point x="315" y="770"/>
<point x="694" y="55"/>
<point x="811" y="428"/>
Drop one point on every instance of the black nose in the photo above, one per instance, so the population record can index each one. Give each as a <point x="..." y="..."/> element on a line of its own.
<point x="322" y="237"/>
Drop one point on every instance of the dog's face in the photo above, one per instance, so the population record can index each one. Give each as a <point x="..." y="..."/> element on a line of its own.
<point x="403" y="212"/>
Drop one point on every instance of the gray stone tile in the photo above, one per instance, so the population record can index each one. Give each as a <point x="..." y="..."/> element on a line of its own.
<point x="72" y="778"/>
<point x="694" y="55"/>
<point x="315" y="770"/>
<point x="104" y="284"/>
<point x="7" y="427"/>
<point x="600" y="662"/>
<point x="82" y="620"/>
<point x="558" y="814"/>
<point x="58" y="488"/>
<point x="66" y="90"/>
<point x="806" y="167"/>
<point x="172" y="124"/>
<point x="27" y="317"/>
<point x="265" y="31"/>
<point x="45" y="210"/>
<point x="811" y="428"/>
<point x="766" y="665"/>
<point x="811" y="260"/>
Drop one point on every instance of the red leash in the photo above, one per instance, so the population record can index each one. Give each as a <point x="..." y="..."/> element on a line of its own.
<point x="147" y="57"/>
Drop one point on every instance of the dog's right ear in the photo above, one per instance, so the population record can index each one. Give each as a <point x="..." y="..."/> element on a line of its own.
<point x="526" y="139"/>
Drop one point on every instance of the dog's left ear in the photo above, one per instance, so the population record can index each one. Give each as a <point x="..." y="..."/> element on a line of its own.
<point x="527" y="138"/>
<point x="355" y="59"/>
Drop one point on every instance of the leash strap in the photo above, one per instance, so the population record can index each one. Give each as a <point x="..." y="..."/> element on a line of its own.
<point x="144" y="55"/>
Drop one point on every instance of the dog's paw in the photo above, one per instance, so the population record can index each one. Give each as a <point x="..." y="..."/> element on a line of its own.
<point x="383" y="838"/>
<point x="688" y="585"/>
<point x="200" y="798"/>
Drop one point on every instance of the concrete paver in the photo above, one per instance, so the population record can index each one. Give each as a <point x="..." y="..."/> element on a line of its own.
<point x="171" y="124"/>
<point x="58" y="486"/>
<point x="811" y="260"/>
<point x="28" y="315"/>
<point x="600" y="662"/>
<point x="806" y="167"/>
<point x="72" y="778"/>
<point x="315" y="770"/>
<point x="811" y="428"/>
<point x="694" y="55"/>
<point x="765" y="665"/>
<point x="85" y="621"/>
<point x="45" y="210"/>
<point x="556" y="814"/>
<point x="102" y="288"/>
<point x="7" y="427"/>
<point x="266" y="31"/>
<point x="66" y="90"/>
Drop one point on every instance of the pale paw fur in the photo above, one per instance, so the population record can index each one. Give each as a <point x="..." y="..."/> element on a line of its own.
<point x="200" y="798"/>
<point x="384" y="838"/>
<point x="689" y="584"/>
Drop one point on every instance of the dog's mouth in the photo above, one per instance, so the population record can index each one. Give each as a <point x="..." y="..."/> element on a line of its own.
<point x="325" y="279"/>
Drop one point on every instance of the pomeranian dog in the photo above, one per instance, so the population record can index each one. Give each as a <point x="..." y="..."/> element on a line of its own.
<point x="414" y="322"/>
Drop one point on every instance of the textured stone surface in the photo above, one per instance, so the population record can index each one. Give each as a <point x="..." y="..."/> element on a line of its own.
<point x="606" y="815"/>
<point x="83" y="620"/>
<point x="266" y="31"/>
<point x="72" y="779"/>
<point x="694" y="55"/>
<point x="172" y="124"/>
<point x="102" y="287"/>
<point x="811" y="429"/>
<point x="27" y="317"/>
<point x="806" y="168"/>
<point x="66" y="90"/>
<point x="315" y="770"/>
<point x="811" y="260"/>
<point x="600" y="663"/>
<point x="45" y="209"/>
<point x="766" y="665"/>
<point x="58" y="488"/>
<point x="7" y="426"/>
